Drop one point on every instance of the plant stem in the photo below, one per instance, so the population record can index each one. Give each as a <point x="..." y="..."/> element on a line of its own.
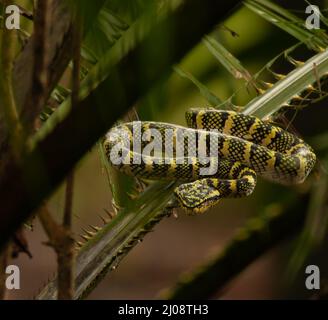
<point x="66" y="253"/>
<point x="9" y="109"/>
<point x="66" y="258"/>
<point x="115" y="240"/>
<point x="61" y="240"/>
<point x="37" y="96"/>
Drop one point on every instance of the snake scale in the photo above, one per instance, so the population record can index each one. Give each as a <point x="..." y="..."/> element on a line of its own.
<point x="244" y="147"/>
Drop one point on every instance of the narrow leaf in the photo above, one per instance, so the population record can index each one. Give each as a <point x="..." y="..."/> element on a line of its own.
<point x="288" y="22"/>
<point x="204" y="90"/>
<point x="231" y="63"/>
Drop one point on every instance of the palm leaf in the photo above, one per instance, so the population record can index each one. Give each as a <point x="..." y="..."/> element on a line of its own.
<point x="204" y="91"/>
<point x="288" y="22"/>
<point x="231" y="63"/>
<point x="280" y="94"/>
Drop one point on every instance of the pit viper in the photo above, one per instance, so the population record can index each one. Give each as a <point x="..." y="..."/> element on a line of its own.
<point x="244" y="147"/>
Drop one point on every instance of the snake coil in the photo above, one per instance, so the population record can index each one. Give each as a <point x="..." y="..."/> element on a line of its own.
<point x="244" y="147"/>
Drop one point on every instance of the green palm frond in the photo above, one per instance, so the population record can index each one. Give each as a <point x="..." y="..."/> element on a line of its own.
<point x="284" y="90"/>
<point x="288" y="22"/>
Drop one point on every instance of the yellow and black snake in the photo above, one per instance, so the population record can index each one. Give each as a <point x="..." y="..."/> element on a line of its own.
<point x="244" y="147"/>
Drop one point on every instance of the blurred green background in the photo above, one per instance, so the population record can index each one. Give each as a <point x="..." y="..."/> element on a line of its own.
<point x="180" y="244"/>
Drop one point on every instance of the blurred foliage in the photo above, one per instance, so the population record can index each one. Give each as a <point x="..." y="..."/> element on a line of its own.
<point x="226" y="70"/>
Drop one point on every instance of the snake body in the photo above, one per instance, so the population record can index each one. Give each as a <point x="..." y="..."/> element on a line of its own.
<point x="244" y="147"/>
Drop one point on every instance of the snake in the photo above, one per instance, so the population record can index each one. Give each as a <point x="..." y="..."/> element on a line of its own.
<point x="219" y="154"/>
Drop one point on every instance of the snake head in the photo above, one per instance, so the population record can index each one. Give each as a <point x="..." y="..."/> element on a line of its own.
<point x="197" y="196"/>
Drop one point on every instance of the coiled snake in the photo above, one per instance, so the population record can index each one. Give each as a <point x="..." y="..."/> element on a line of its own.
<point x="243" y="146"/>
